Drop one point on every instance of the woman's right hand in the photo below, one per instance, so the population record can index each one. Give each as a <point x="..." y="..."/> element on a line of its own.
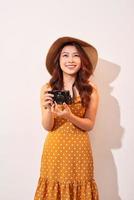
<point x="48" y="100"/>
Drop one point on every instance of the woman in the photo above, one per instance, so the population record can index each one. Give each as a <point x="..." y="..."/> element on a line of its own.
<point x="67" y="171"/>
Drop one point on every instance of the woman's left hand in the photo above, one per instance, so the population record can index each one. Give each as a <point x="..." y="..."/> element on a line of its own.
<point x="62" y="110"/>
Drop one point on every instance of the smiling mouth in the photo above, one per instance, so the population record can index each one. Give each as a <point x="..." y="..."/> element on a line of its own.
<point x="70" y="66"/>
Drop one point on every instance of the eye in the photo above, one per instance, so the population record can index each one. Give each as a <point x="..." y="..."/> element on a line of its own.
<point x="65" y="55"/>
<point x="77" y="55"/>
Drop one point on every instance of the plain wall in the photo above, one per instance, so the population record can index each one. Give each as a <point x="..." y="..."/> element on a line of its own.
<point x="28" y="28"/>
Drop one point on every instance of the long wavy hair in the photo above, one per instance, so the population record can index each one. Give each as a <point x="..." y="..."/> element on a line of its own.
<point x="82" y="78"/>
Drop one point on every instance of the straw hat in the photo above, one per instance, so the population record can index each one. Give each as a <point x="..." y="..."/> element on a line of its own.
<point x="88" y="48"/>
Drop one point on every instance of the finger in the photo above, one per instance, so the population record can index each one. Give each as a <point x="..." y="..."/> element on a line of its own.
<point x="65" y="105"/>
<point x="56" y="106"/>
<point x="48" y="96"/>
<point x="55" y="103"/>
<point x="48" y="101"/>
<point x="53" y="106"/>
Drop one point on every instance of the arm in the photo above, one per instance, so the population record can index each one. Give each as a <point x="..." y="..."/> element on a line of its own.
<point x="47" y="115"/>
<point x="87" y="123"/>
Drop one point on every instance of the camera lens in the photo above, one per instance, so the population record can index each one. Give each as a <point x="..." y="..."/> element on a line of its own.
<point x="60" y="98"/>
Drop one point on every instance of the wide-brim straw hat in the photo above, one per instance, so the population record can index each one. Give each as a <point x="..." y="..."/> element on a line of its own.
<point x="54" y="49"/>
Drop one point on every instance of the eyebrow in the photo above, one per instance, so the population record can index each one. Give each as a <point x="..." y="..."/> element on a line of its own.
<point x="68" y="52"/>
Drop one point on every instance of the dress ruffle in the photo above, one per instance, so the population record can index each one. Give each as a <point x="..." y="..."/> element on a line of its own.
<point x="69" y="190"/>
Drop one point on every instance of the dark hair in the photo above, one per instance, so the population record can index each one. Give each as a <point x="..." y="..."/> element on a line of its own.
<point x="82" y="78"/>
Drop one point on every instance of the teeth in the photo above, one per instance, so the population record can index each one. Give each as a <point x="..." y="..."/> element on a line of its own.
<point x="70" y="65"/>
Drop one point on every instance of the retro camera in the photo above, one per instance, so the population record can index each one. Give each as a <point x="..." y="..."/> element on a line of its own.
<point x="61" y="96"/>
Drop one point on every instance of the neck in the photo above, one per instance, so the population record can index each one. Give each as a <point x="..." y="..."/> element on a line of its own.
<point x="68" y="81"/>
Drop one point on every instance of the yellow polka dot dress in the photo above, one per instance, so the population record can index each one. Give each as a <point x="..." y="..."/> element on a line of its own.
<point x="66" y="171"/>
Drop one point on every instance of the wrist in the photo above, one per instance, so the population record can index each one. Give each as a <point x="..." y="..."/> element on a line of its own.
<point x="70" y="116"/>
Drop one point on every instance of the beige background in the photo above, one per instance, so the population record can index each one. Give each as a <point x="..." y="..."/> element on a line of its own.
<point x="27" y="30"/>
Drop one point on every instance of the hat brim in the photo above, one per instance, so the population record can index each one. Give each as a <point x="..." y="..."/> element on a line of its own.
<point x="88" y="48"/>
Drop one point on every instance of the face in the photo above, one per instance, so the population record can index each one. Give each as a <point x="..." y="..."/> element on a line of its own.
<point x="70" y="61"/>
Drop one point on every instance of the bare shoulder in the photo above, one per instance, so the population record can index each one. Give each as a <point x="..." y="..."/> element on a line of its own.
<point x="93" y="103"/>
<point x="95" y="88"/>
<point x="92" y="84"/>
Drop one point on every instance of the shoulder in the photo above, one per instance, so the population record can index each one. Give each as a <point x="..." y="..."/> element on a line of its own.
<point x="95" y="92"/>
<point x="91" y="109"/>
<point x="95" y="88"/>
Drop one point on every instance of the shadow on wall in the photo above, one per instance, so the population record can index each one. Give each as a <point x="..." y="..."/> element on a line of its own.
<point x="107" y="133"/>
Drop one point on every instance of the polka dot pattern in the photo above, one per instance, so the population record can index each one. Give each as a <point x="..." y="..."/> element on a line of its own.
<point x="66" y="171"/>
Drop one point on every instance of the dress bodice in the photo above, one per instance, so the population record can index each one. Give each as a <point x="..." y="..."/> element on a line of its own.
<point x="76" y="108"/>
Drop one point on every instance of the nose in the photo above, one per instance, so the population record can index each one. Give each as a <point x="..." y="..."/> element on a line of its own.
<point x="70" y="59"/>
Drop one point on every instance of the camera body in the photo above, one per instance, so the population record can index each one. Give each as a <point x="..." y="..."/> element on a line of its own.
<point x="61" y="96"/>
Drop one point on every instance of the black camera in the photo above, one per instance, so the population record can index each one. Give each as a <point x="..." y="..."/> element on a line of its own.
<point x="61" y="96"/>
